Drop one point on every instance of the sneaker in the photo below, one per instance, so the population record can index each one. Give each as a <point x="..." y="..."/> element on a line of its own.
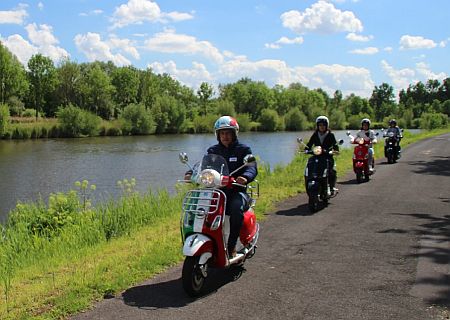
<point x="334" y="191"/>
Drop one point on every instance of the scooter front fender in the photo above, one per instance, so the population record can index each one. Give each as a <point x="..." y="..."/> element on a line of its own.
<point x="198" y="244"/>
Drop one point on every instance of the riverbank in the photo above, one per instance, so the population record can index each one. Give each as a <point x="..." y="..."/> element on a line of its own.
<point x="61" y="267"/>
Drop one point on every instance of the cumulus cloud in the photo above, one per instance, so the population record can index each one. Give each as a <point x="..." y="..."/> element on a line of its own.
<point x="20" y="47"/>
<point x="284" y="41"/>
<point x="190" y="77"/>
<point x="16" y="16"/>
<point x="95" y="12"/>
<point x="171" y="42"/>
<point x="94" y="48"/>
<point x="42" y="37"/>
<point x="416" y="42"/>
<point x="402" y="78"/>
<point x="322" y="17"/>
<point x="348" y="79"/>
<point x="365" y="51"/>
<point x="358" y="37"/>
<point x="138" y="11"/>
<point x="124" y="44"/>
<point x="40" y="5"/>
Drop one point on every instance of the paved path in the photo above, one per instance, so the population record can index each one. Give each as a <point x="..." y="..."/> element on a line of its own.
<point x="380" y="250"/>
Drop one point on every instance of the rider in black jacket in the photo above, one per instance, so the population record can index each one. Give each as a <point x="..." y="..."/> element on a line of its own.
<point x="325" y="138"/>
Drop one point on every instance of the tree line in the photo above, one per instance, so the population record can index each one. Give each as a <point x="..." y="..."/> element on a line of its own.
<point x="81" y="95"/>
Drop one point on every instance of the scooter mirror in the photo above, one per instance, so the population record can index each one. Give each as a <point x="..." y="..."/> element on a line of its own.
<point x="341" y="142"/>
<point x="183" y="157"/>
<point x="348" y="133"/>
<point x="249" y="158"/>
<point x="377" y="133"/>
<point x="299" y="140"/>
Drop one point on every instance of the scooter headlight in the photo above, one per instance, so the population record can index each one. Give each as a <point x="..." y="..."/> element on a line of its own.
<point x="317" y="150"/>
<point x="209" y="178"/>
<point x="390" y="134"/>
<point x="361" y="141"/>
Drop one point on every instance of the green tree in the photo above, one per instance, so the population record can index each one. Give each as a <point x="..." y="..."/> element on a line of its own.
<point x="69" y="78"/>
<point x="204" y="93"/>
<point x="126" y="83"/>
<point x="13" y="81"/>
<point x="4" y="119"/>
<point x="169" y="114"/>
<point x="76" y="122"/>
<point x="382" y="101"/>
<point x="97" y="92"/>
<point x="42" y="77"/>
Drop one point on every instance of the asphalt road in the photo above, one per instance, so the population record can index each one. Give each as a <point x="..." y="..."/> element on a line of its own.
<point x="380" y="250"/>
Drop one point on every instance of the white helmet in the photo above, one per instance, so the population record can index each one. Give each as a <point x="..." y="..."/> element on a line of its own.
<point x="365" y="120"/>
<point x="322" y="119"/>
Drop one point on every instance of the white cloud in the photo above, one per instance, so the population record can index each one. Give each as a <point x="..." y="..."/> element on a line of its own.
<point x="92" y="46"/>
<point x="416" y="42"/>
<point x="95" y="12"/>
<point x="284" y="41"/>
<point x="365" y="51"/>
<point x="322" y="17"/>
<point x="402" y="78"/>
<point x="190" y="77"/>
<point x="358" y="37"/>
<point x="40" y="5"/>
<point x="138" y="11"/>
<point x="14" y="16"/>
<point x="20" y="47"/>
<point x="42" y="37"/>
<point x="171" y="42"/>
<point x="423" y="70"/>
<point x="125" y="44"/>
<point x="388" y="49"/>
<point x="348" y="79"/>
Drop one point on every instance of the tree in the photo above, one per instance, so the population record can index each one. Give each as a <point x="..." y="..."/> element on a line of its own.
<point x="295" y="120"/>
<point x="382" y="101"/>
<point x="204" y="93"/>
<point x="97" y="92"/>
<point x="269" y="120"/>
<point x="126" y="83"/>
<point x="69" y="78"/>
<point x="13" y="81"/>
<point x="42" y="77"/>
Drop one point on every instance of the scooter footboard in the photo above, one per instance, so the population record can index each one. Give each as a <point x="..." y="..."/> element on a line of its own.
<point x="196" y="244"/>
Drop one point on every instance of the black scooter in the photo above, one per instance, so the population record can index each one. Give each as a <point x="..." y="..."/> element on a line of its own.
<point x="391" y="147"/>
<point x="317" y="176"/>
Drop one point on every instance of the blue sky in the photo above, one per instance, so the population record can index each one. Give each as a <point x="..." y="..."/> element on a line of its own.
<point x="347" y="45"/>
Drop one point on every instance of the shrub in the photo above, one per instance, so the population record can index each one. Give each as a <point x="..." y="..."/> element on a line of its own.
<point x="433" y="120"/>
<point x="296" y="120"/>
<point x="269" y="120"/>
<point x="137" y="120"/>
<point x="76" y="122"/>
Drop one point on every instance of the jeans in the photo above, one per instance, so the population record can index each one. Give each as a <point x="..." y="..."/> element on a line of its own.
<point x="237" y="204"/>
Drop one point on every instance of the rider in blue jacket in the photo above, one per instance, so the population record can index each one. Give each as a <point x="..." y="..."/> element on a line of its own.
<point x="226" y="129"/>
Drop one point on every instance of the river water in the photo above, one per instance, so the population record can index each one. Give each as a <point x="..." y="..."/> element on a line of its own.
<point x="31" y="169"/>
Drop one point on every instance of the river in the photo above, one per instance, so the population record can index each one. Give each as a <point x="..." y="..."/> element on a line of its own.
<point x="30" y="169"/>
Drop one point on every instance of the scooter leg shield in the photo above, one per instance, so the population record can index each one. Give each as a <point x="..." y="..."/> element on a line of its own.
<point x="197" y="244"/>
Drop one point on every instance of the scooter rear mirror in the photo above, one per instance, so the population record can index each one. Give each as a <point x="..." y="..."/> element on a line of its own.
<point x="183" y="157"/>
<point x="299" y="140"/>
<point x="341" y="142"/>
<point x="348" y="133"/>
<point x="249" y="158"/>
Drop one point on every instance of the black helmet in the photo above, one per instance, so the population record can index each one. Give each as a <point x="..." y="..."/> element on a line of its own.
<point x="392" y="122"/>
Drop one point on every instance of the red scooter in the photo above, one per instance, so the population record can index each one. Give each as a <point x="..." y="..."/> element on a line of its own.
<point x="205" y="227"/>
<point x="361" y="165"/>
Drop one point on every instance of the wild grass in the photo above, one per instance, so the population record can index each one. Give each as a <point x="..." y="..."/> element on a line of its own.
<point x="57" y="258"/>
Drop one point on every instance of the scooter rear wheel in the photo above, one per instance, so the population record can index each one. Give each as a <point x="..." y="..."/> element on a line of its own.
<point x="192" y="277"/>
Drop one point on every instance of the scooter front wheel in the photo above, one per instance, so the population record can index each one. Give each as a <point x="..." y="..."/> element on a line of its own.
<point x="192" y="276"/>
<point x="313" y="203"/>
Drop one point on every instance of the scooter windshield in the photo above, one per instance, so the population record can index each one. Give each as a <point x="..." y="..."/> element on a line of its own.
<point x="215" y="162"/>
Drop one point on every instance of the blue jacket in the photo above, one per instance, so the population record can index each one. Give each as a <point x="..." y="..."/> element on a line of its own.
<point x="234" y="155"/>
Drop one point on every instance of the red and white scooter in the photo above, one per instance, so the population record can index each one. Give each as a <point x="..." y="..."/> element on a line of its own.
<point x="361" y="166"/>
<point x="205" y="227"/>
